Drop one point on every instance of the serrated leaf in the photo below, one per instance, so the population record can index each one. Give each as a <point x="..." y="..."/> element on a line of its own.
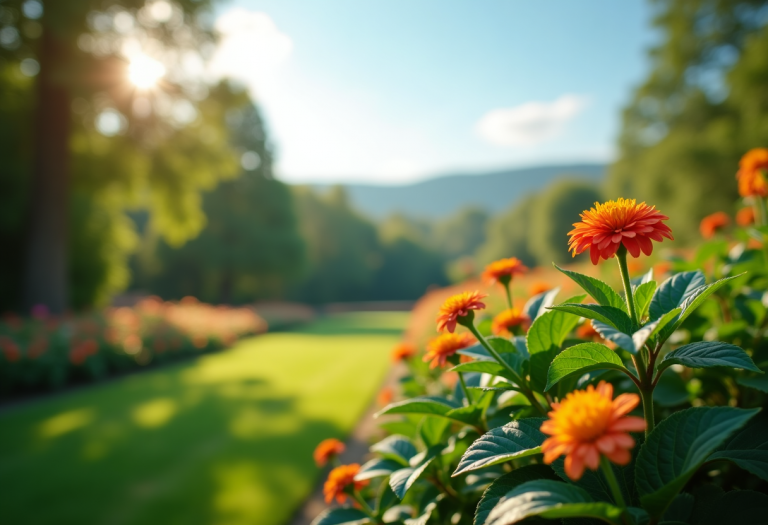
<point x="402" y="480"/>
<point x="397" y="448"/>
<point x="376" y="468"/>
<point x="605" y="314"/>
<point x="536" y="305"/>
<point x="545" y="338"/>
<point x="757" y="382"/>
<point x="431" y="430"/>
<point x="674" y="291"/>
<point x="709" y="354"/>
<point x="748" y="447"/>
<point x="550" y="499"/>
<point x="597" y="289"/>
<point x="677" y="447"/>
<point x="428" y="405"/>
<point x="643" y="295"/>
<point x="339" y="516"/>
<point x="583" y="358"/>
<point x="652" y="329"/>
<point x="491" y="366"/>
<point x="470" y="414"/>
<point x="502" y="485"/>
<point x="516" y="439"/>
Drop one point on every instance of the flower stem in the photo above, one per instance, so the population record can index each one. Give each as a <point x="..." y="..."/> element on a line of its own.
<point x="366" y="508"/>
<point x="465" y="389"/>
<point x="760" y="214"/>
<point x="524" y="388"/>
<point x="509" y="294"/>
<point x="621" y="256"/>
<point x="605" y="466"/>
<point x="646" y="394"/>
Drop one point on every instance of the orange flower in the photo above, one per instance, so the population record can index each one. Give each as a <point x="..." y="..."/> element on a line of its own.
<point x="712" y="223"/>
<point x="444" y="346"/>
<point x="327" y="450"/>
<point x="339" y="479"/>
<point x="403" y="351"/>
<point x="745" y="216"/>
<point x="503" y="270"/>
<point x="751" y="174"/>
<point x="590" y="423"/>
<point x="508" y="319"/>
<point x="539" y="287"/>
<point x="587" y="331"/>
<point x="385" y="396"/>
<point x="458" y="305"/>
<point x="607" y="226"/>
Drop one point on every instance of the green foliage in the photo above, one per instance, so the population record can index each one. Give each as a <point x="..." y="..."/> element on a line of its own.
<point x="518" y="439"/>
<point x="580" y="359"/>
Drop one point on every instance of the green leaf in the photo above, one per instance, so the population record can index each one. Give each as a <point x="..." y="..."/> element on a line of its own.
<point x="402" y="480"/>
<point x="550" y="499"/>
<point x="671" y="390"/>
<point x="488" y="365"/>
<point x="677" y="447"/>
<point x="514" y="440"/>
<point x="431" y="430"/>
<point x="674" y="291"/>
<point x="633" y="343"/>
<point x="339" y="516"/>
<point x="695" y="299"/>
<point x="609" y="333"/>
<point x="680" y="509"/>
<point x="709" y="354"/>
<point x="595" y="483"/>
<point x="428" y="405"/>
<point x="538" y="304"/>
<point x="501" y="486"/>
<point x="748" y="448"/>
<point x="652" y="329"/>
<point x="597" y="289"/>
<point x="581" y="359"/>
<point x="757" y="382"/>
<point x="739" y="507"/>
<point x="643" y="295"/>
<point x="605" y="314"/>
<point x="376" y="468"/>
<point x="545" y="337"/>
<point x="397" y="448"/>
<point x="470" y="414"/>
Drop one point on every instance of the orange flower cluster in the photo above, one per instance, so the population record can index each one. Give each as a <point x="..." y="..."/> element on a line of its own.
<point x="403" y="351"/>
<point x="326" y="450"/>
<point x="339" y="479"/>
<point x="711" y="224"/>
<point x="745" y="216"/>
<point x="503" y="323"/>
<point x="444" y="346"/>
<point x="590" y="423"/>
<point x="752" y="171"/>
<point x="539" y="287"/>
<point x="458" y="306"/>
<point x="503" y="270"/>
<point x="607" y="226"/>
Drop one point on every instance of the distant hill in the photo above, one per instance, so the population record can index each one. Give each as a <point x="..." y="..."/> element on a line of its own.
<point x="444" y="195"/>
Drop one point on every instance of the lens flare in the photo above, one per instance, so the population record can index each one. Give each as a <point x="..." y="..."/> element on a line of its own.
<point x="145" y="72"/>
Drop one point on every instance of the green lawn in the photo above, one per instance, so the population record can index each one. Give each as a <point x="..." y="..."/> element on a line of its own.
<point x="224" y="439"/>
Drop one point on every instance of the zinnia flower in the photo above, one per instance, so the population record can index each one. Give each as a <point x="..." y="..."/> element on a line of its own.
<point x="339" y="479"/>
<point x="458" y="305"/>
<point x="503" y="323"/>
<point x="590" y="423"/>
<point x="745" y="216"/>
<point x="503" y="270"/>
<point x="712" y="223"/>
<point x="444" y="346"/>
<point x="403" y="351"/>
<point x="751" y="174"/>
<point x="607" y="226"/>
<point x="326" y="450"/>
<point x="539" y="287"/>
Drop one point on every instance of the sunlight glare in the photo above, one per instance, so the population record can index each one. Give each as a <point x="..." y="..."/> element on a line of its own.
<point x="145" y="72"/>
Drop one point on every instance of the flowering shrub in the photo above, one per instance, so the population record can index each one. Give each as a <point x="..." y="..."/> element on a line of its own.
<point x="632" y="406"/>
<point x="45" y="352"/>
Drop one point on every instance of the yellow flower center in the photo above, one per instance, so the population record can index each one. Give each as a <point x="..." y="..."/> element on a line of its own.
<point x="583" y="415"/>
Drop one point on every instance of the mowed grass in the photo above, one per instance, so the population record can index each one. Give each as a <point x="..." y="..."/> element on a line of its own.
<point x="223" y="439"/>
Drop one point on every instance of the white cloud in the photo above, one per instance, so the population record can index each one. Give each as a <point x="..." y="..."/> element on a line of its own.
<point x="250" y="48"/>
<point x="530" y="123"/>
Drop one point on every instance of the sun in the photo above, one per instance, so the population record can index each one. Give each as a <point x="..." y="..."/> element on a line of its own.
<point x="145" y="72"/>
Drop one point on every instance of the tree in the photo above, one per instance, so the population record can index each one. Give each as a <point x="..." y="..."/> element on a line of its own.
<point x="507" y="234"/>
<point x="77" y="46"/>
<point x="685" y="127"/>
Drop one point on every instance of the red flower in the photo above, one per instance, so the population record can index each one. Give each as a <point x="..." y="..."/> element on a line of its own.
<point x="327" y="450"/>
<point x="503" y="323"/>
<point x="712" y="223"/>
<point x="339" y="479"/>
<point x="607" y="226"/>
<point x="456" y="306"/>
<point x="444" y="346"/>
<point x="503" y="270"/>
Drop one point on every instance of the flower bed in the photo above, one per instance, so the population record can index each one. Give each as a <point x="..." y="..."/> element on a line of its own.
<point x="634" y="404"/>
<point x="45" y="352"/>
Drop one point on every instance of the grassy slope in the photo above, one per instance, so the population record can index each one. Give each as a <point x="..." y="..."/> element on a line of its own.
<point x="225" y="439"/>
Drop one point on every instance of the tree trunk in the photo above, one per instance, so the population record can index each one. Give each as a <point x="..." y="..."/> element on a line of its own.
<point x="46" y="274"/>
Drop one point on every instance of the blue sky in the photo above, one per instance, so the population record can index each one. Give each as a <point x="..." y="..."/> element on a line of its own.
<point x="392" y="91"/>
